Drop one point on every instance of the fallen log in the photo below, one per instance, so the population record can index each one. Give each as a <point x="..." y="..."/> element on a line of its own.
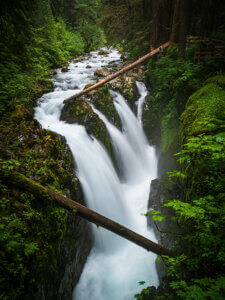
<point x="42" y="193"/>
<point x="127" y="68"/>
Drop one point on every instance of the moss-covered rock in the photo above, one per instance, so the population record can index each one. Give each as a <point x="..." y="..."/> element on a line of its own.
<point x="103" y="52"/>
<point x="65" y="68"/>
<point x="205" y="110"/>
<point x="102" y="72"/>
<point x="39" y="240"/>
<point x="103" y="101"/>
<point x="80" y="111"/>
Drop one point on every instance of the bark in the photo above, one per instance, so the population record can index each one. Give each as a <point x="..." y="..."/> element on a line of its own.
<point x="155" y="23"/>
<point x="165" y="20"/>
<point x="127" y="68"/>
<point x="184" y="15"/>
<point x="174" y="37"/>
<point x="45" y="194"/>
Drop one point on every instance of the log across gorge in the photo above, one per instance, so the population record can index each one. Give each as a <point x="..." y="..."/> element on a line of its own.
<point x="113" y="76"/>
<point x="45" y="194"/>
<point x="116" y="189"/>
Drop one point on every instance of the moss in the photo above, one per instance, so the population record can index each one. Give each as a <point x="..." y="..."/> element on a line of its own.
<point x="103" y="101"/>
<point x="19" y="112"/>
<point x="79" y="111"/>
<point x="205" y="107"/>
<point x="169" y="135"/>
<point x="219" y="80"/>
<point x="32" y="229"/>
<point x="30" y="239"/>
<point x="128" y="88"/>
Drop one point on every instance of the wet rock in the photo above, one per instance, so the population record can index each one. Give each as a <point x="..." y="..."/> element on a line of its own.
<point x="126" y="85"/>
<point x="162" y="190"/>
<point x="103" y="52"/>
<point x="65" y="68"/>
<point x="45" y="157"/>
<point x="102" y="72"/>
<point x="79" y="111"/>
<point x="103" y="101"/>
<point x="53" y="72"/>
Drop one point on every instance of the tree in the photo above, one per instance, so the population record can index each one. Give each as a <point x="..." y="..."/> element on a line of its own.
<point x="174" y="37"/>
<point x="184" y="18"/>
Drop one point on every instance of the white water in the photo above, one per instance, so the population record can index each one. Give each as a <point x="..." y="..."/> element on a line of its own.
<point x="143" y="92"/>
<point x="115" y="265"/>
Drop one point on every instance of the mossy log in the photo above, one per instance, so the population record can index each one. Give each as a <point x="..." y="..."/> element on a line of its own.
<point x="127" y="68"/>
<point x="44" y="194"/>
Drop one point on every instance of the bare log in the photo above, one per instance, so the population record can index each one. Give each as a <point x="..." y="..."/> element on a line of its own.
<point x="127" y="68"/>
<point x="43" y="193"/>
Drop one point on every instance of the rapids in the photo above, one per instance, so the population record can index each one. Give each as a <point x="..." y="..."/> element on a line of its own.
<point x="115" y="265"/>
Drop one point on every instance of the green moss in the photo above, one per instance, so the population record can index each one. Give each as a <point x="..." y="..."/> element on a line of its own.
<point x="32" y="227"/>
<point x="30" y="239"/>
<point x="103" y="101"/>
<point x="170" y="135"/>
<point x="219" y="80"/>
<point x="203" y="109"/>
<point x="79" y="111"/>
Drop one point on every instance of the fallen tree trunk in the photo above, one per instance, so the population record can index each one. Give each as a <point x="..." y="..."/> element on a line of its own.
<point x="127" y="68"/>
<point x="43" y="193"/>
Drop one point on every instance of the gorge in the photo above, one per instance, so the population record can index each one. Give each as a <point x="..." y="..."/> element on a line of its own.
<point x="121" y="195"/>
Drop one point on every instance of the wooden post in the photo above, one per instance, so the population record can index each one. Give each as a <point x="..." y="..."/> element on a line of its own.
<point x="127" y="68"/>
<point x="43" y="193"/>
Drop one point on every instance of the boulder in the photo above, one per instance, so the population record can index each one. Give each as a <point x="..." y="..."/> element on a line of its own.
<point x="65" y="68"/>
<point x="102" y="72"/>
<point x="103" y="52"/>
<point x="80" y="111"/>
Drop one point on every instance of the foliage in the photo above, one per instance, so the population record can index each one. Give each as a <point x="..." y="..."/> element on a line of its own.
<point x="29" y="241"/>
<point x="172" y="82"/>
<point x="33" y="41"/>
<point x="124" y="26"/>
<point x="31" y="230"/>
<point x="191" y="105"/>
<point x="201" y="214"/>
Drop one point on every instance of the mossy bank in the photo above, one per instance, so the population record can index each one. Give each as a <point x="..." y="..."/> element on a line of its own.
<point x="187" y="113"/>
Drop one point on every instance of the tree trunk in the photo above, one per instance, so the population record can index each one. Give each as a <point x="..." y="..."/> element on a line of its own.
<point x="174" y="37"/>
<point x="184" y="15"/>
<point x="155" y="23"/>
<point x="127" y="68"/>
<point x="165" y="20"/>
<point x="43" y="193"/>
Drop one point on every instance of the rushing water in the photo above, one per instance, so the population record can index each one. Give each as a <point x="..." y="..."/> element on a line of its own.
<point x="115" y="265"/>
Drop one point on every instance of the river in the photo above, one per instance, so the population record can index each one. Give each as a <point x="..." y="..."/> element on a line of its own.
<point x="115" y="265"/>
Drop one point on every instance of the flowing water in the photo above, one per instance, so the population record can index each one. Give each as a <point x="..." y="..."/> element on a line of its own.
<point x="115" y="265"/>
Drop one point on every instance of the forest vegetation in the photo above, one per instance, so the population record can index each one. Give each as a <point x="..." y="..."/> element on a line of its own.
<point x="187" y="109"/>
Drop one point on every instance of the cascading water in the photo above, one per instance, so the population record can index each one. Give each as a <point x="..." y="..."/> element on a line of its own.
<point x="143" y="92"/>
<point x="114" y="266"/>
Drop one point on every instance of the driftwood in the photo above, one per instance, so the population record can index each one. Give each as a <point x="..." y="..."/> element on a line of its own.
<point x="127" y="68"/>
<point x="43" y="193"/>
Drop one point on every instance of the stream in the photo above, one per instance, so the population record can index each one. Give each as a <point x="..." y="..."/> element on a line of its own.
<point x="114" y="266"/>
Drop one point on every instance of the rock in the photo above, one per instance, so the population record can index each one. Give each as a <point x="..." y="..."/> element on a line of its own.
<point x="88" y="67"/>
<point x="102" y="72"/>
<point x="53" y="72"/>
<point x="64" y="240"/>
<point x="79" y="111"/>
<point x="65" y="68"/>
<point x="126" y="85"/>
<point x="103" y="52"/>
<point x="162" y="190"/>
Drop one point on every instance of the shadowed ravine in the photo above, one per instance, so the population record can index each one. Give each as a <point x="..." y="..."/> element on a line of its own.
<point x="114" y="266"/>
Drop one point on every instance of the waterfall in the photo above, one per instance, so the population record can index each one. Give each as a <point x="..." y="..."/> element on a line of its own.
<point x="114" y="266"/>
<point x="143" y="92"/>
